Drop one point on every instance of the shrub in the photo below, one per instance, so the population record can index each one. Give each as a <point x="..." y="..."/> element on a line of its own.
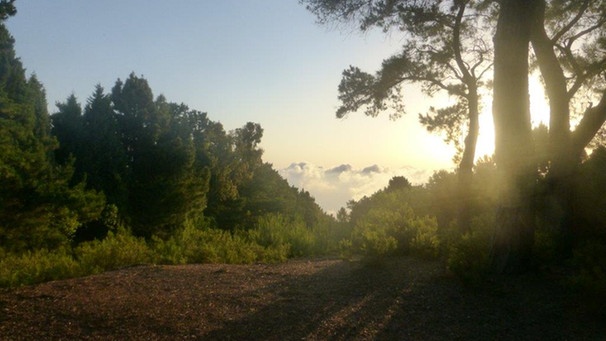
<point x="207" y="245"/>
<point x="375" y="243"/>
<point x="117" y="250"/>
<point x="275" y="230"/>
<point x="36" y="267"/>
<point x="469" y="255"/>
<point x="425" y="243"/>
<point x="395" y="229"/>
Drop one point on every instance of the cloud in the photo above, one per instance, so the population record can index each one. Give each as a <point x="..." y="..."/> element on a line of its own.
<point x="334" y="187"/>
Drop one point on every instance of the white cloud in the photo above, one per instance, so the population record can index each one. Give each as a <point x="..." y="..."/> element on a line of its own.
<point x="334" y="187"/>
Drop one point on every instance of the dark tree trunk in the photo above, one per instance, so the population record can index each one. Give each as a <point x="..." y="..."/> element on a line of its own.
<point x="467" y="161"/>
<point x="465" y="171"/>
<point x="514" y="155"/>
<point x="557" y="199"/>
<point x="565" y="149"/>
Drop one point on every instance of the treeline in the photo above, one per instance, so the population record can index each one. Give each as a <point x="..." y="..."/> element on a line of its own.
<point x="131" y="178"/>
<point x="163" y="165"/>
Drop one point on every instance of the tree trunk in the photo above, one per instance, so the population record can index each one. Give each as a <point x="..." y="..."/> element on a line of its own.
<point x="467" y="161"/>
<point x="558" y="215"/>
<point x="565" y="148"/>
<point x="514" y="156"/>
<point x="465" y="171"/>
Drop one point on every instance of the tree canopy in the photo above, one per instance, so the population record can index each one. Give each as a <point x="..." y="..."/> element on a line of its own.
<point x="446" y="48"/>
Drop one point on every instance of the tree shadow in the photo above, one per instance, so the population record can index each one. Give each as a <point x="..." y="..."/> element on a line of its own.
<point x="407" y="299"/>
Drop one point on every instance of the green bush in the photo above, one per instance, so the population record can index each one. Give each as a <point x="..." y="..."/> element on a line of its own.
<point x="395" y="229"/>
<point x="425" y="243"/>
<point x="376" y="243"/>
<point x="117" y="250"/>
<point x="469" y="255"/>
<point x="36" y="267"/>
<point x="275" y="230"/>
<point x="206" y="245"/>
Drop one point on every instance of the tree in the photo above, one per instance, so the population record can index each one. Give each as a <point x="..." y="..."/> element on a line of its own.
<point x="67" y="128"/>
<point x="568" y="44"/>
<point x="39" y="207"/>
<point x="7" y="9"/>
<point x="103" y="158"/>
<point x="398" y="183"/>
<point x="445" y="50"/>
<point x="165" y="189"/>
<point x="568" y="41"/>
<point x="514" y="230"/>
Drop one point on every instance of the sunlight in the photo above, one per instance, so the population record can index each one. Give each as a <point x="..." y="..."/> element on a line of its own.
<point x="539" y="106"/>
<point x="539" y="113"/>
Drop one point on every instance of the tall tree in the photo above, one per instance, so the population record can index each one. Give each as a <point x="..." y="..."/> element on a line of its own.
<point x="103" y="159"/>
<point x="445" y="50"/>
<point x="67" y="128"/>
<point x="513" y="138"/>
<point x="569" y="44"/>
<point x="38" y="206"/>
<point x="163" y="184"/>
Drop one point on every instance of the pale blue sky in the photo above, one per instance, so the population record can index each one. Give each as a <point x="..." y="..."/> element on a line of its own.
<point x="265" y="61"/>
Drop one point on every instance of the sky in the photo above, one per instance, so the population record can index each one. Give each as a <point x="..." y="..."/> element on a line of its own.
<point x="264" y="61"/>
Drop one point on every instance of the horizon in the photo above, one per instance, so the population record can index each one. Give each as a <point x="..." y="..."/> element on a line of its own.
<point x="266" y="62"/>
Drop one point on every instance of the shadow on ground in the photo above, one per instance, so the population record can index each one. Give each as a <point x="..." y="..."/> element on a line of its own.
<point x="406" y="299"/>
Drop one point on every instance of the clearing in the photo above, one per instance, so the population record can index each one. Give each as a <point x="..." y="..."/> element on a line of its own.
<point x="320" y="299"/>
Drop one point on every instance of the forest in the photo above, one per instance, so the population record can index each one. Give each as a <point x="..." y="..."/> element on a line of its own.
<point x="128" y="177"/>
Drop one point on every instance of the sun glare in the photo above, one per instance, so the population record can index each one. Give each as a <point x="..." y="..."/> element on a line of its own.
<point x="539" y="114"/>
<point x="539" y="107"/>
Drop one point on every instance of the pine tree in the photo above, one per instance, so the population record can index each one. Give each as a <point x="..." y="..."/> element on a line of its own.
<point x="38" y="207"/>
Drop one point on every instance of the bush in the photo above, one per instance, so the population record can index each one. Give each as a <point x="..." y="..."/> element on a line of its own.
<point x="395" y="229"/>
<point x="375" y="244"/>
<point x="116" y="251"/>
<point x="469" y="256"/>
<point x="206" y="245"/>
<point x="36" y="267"/>
<point x="274" y="230"/>
<point x="425" y="243"/>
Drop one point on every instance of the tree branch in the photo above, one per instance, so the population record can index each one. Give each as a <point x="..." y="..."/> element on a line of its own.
<point x="592" y="121"/>
<point x="573" y="22"/>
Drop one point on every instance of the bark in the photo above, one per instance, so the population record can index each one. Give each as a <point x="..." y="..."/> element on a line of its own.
<point x="514" y="155"/>
<point x="467" y="161"/>
<point x="565" y="149"/>
<point x="555" y="85"/>
<point x="558" y="215"/>
<point x="469" y="151"/>
<point x="592" y="121"/>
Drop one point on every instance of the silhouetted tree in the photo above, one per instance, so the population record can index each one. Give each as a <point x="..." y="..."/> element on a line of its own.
<point x="556" y="30"/>
<point x="445" y="50"/>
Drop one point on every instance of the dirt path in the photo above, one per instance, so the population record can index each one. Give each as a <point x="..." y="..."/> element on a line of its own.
<point x="405" y="299"/>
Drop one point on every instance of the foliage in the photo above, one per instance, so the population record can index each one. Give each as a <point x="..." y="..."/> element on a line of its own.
<point x="36" y="266"/>
<point x="445" y="50"/>
<point x="276" y="230"/>
<point x="388" y="225"/>
<point x="207" y="245"/>
<point x="40" y="206"/>
<point x="468" y="255"/>
<point x="117" y="250"/>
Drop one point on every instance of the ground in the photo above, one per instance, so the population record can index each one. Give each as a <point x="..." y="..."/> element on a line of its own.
<point x="322" y="299"/>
